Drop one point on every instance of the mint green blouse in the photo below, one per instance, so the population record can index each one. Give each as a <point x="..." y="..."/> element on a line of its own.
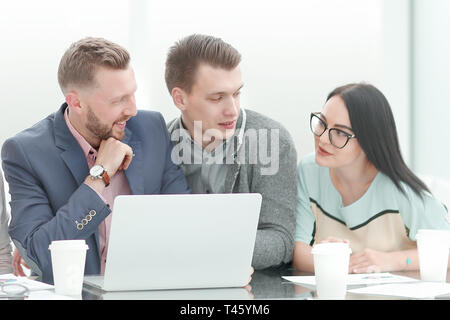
<point x="383" y="218"/>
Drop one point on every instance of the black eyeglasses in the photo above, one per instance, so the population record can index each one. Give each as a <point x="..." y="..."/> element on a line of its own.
<point x="338" y="138"/>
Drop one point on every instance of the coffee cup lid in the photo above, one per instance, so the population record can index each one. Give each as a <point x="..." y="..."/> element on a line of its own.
<point x="68" y="244"/>
<point x="331" y="248"/>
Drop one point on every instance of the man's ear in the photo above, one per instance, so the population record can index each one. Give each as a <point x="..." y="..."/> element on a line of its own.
<point x="179" y="98"/>
<point x="73" y="101"/>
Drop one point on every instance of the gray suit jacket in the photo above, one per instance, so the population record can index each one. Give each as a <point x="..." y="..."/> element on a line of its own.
<point x="276" y="182"/>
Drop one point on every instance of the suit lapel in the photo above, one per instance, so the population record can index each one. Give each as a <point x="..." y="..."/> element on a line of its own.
<point x="134" y="173"/>
<point x="77" y="164"/>
<point x="71" y="153"/>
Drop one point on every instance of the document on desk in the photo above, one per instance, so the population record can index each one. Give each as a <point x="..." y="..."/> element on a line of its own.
<point x="31" y="285"/>
<point x="417" y="290"/>
<point x="357" y="279"/>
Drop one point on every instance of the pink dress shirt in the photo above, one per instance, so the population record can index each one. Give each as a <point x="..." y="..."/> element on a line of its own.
<point x="118" y="186"/>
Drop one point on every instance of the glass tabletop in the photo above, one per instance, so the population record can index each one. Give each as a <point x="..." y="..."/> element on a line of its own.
<point x="265" y="284"/>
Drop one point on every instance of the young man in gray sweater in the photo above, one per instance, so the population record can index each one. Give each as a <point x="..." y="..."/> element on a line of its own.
<point x="223" y="148"/>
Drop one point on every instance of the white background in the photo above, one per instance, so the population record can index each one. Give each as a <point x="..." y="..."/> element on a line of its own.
<point x="294" y="53"/>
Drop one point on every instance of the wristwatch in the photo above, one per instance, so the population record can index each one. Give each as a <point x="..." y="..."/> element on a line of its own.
<point x="98" y="172"/>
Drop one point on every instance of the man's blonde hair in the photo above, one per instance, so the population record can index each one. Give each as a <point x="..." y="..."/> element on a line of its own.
<point x="78" y="64"/>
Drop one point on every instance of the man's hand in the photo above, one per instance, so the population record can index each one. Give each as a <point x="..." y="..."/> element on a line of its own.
<point x="251" y="272"/>
<point x="248" y="287"/>
<point x="114" y="155"/>
<point x="18" y="262"/>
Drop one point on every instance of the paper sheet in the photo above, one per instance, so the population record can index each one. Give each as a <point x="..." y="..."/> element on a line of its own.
<point x="32" y="285"/>
<point x="357" y="279"/>
<point x="418" y="290"/>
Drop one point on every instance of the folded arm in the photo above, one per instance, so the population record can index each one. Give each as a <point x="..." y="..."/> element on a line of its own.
<point x="34" y="222"/>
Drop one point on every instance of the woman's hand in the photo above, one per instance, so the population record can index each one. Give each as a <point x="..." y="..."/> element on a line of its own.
<point x="369" y="261"/>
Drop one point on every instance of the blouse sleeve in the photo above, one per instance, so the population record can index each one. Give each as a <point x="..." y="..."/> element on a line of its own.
<point x="305" y="220"/>
<point x="424" y="212"/>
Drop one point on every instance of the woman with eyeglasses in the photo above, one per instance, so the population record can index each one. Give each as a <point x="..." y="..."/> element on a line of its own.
<point x="356" y="187"/>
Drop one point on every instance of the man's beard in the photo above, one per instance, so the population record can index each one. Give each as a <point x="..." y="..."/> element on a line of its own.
<point x="98" y="129"/>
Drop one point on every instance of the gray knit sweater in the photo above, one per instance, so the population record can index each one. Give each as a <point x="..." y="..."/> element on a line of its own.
<point x="275" y="180"/>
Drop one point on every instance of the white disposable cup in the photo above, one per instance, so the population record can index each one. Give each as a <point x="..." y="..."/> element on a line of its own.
<point x="331" y="262"/>
<point x="433" y="249"/>
<point x="68" y="261"/>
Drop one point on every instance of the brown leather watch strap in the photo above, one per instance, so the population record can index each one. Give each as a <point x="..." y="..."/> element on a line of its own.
<point x="105" y="178"/>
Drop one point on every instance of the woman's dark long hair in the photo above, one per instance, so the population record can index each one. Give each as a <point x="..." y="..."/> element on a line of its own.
<point x="374" y="126"/>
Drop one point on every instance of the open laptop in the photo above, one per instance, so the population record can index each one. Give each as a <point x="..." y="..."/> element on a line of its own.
<point x="180" y="242"/>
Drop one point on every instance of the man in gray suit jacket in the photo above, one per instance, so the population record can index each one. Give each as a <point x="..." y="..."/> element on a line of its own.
<point x="223" y="148"/>
<point x="66" y="170"/>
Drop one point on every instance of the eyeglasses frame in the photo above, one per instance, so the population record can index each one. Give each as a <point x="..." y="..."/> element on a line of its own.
<point x="315" y="115"/>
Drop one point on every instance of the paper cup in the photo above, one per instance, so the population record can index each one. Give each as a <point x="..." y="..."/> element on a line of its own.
<point x="331" y="262"/>
<point x="68" y="261"/>
<point x="433" y="247"/>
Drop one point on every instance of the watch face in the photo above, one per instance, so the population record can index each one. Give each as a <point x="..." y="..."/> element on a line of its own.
<point x="96" y="170"/>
